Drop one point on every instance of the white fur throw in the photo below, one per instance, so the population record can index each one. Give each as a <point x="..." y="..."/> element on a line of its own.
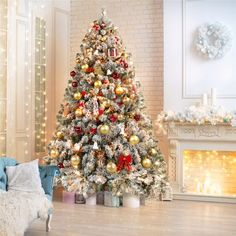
<point x="19" y="209"/>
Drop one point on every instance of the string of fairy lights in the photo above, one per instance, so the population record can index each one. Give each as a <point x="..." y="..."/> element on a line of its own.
<point x="36" y="72"/>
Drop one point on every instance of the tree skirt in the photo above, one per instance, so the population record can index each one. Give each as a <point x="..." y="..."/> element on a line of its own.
<point x="19" y="209"/>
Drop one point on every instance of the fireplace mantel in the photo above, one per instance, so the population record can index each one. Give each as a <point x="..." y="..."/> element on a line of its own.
<point x="188" y="136"/>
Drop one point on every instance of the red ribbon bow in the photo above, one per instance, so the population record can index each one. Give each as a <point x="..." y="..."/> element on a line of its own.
<point x="96" y="27"/>
<point x="124" y="162"/>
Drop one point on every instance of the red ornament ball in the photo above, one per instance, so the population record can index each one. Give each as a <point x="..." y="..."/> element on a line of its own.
<point x="115" y="75"/>
<point x="93" y="130"/>
<point x="137" y="117"/>
<point x="100" y="111"/>
<point x="74" y="83"/>
<point x="81" y="104"/>
<point x="60" y="165"/>
<point x="113" y="118"/>
<point x="72" y="73"/>
<point x="90" y="70"/>
<point x="83" y="93"/>
<point x="78" y="129"/>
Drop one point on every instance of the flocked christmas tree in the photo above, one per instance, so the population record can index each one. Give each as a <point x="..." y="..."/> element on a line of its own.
<point x="104" y="137"/>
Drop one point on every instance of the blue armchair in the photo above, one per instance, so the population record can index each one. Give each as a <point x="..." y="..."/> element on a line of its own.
<point x="47" y="174"/>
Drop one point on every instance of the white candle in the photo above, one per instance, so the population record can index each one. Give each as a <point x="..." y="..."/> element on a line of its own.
<point x="204" y="99"/>
<point x="213" y="96"/>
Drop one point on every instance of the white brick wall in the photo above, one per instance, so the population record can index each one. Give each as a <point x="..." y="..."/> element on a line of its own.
<point x="141" y="26"/>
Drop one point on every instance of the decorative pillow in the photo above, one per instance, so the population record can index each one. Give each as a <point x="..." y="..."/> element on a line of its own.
<point x="24" y="177"/>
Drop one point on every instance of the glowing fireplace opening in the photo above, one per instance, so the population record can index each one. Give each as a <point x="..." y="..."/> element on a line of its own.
<point x="209" y="172"/>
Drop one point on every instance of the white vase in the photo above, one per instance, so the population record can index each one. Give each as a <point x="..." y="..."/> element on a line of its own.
<point x="130" y="200"/>
<point x="91" y="200"/>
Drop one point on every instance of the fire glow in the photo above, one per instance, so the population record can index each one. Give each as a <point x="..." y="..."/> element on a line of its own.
<point x="210" y="172"/>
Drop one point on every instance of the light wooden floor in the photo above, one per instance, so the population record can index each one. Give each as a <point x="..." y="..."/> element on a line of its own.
<point x="176" y="218"/>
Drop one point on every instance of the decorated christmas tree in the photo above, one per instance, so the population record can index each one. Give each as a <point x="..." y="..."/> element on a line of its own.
<point x="104" y="137"/>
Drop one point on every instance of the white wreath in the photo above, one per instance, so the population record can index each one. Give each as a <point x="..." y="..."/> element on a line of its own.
<point x="213" y="40"/>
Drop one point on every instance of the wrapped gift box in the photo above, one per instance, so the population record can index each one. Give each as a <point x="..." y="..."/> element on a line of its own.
<point x="68" y="197"/>
<point x="110" y="200"/>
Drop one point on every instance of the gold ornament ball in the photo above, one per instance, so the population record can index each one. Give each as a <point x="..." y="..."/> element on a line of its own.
<point x="120" y="117"/>
<point x="106" y="104"/>
<point x="54" y="153"/>
<point x="153" y="152"/>
<point x="146" y="163"/>
<point x="75" y="160"/>
<point x="132" y="96"/>
<point x="126" y="100"/>
<point x="98" y="70"/>
<point x="77" y="96"/>
<point x="78" y="60"/>
<point x="119" y="90"/>
<point x="104" y="38"/>
<point x="84" y="67"/>
<point x="59" y="135"/>
<point x="97" y="84"/>
<point x="111" y="168"/>
<point x="134" y="139"/>
<point x="128" y="81"/>
<point x="104" y="129"/>
<point x="78" y="112"/>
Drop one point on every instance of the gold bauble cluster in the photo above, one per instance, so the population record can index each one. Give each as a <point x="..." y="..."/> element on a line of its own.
<point x="120" y="117"/>
<point x="146" y="163"/>
<point x="119" y="90"/>
<point x="105" y="104"/>
<point x="84" y="67"/>
<point x="98" y="70"/>
<point x="97" y="84"/>
<point x="75" y="161"/>
<point x="152" y="152"/>
<point x="134" y="139"/>
<point x="126" y="100"/>
<point x="79" y="112"/>
<point x="54" y="153"/>
<point x="104" y="129"/>
<point x="59" y="135"/>
<point x="77" y="96"/>
<point x="111" y="167"/>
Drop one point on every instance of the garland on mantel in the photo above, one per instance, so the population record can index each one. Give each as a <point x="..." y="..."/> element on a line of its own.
<point x="199" y="115"/>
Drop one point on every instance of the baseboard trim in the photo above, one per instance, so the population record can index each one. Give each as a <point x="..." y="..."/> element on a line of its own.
<point x="203" y="198"/>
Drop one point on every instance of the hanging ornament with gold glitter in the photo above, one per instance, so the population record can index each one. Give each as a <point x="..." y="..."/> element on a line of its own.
<point x="126" y="100"/>
<point x="54" y="153"/>
<point x="98" y="70"/>
<point x="119" y="90"/>
<point x="84" y="67"/>
<point x="152" y="152"/>
<point x="134" y="139"/>
<point x="97" y="84"/>
<point x="146" y="163"/>
<point x="75" y="161"/>
<point x="77" y="96"/>
<point x="79" y="112"/>
<point x="111" y="167"/>
<point x="104" y="129"/>
<point x="59" y="135"/>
